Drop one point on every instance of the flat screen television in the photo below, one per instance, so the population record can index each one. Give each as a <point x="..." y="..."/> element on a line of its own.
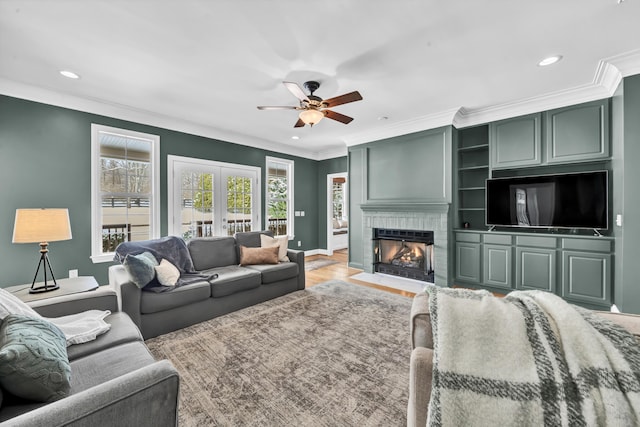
<point x="571" y="200"/>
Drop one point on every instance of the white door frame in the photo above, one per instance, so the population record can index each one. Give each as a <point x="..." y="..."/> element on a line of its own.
<point x="330" y="178"/>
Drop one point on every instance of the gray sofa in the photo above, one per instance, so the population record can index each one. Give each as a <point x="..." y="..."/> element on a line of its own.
<point x="114" y="379"/>
<point x="235" y="287"/>
<point x="421" y="365"/>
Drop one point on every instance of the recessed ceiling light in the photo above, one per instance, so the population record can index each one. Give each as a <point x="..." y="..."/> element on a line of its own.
<point x="295" y="137"/>
<point x="549" y="60"/>
<point x="69" y="74"/>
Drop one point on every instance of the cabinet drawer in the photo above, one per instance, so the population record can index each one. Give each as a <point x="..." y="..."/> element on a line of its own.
<point x="536" y="241"/>
<point x="497" y="239"/>
<point x="587" y="245"/>
<point x="468" y="237"/>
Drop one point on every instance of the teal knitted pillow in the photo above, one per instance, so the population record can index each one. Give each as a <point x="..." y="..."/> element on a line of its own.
<point x="33" y="359"/>
<point x="141" y="268"/>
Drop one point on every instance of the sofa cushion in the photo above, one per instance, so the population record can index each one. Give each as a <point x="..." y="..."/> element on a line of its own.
<point x="152" y="302"/>
<point x="282" y="242"/>
<point x="33" y="359"/>
<point x="232" y="279"/>
<point x="253" y="256"/>
<point x="250" y="239"/>
<point x="108" y="364"/>
<point x="276" y="272"/>
<point x="122" y="330"/>
<point x="140" y="268"/>
<point x="167" y="273"/>
<point x="212" y="252"/>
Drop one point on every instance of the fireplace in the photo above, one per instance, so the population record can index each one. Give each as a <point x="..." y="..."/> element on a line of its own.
<point x="404" y="253"/>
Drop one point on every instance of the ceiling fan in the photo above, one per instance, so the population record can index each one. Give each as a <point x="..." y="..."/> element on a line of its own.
<point x="313" y="108"/>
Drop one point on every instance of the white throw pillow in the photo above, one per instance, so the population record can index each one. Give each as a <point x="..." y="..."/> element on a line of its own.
<point x="281" y="241"/>
<point x="167" y="273"/>
<point x="11" y="304"/>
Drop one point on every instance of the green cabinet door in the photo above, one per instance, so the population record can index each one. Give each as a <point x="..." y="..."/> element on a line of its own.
<point x="536" y="269"/>
<point x="516" y="142"/>
<point x="468" y="262"/>
<point x="586" y="277"/>
<point x="578" y="133"/>
<point x="497" y="266"/>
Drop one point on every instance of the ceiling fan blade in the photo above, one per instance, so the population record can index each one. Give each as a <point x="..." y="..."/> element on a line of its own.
<point x="274" y="107"/>
<point x="337" y="116"/>
<point x="299" y="124"/>
<point x="343" y="99"/>
<point x="296" y="90"/>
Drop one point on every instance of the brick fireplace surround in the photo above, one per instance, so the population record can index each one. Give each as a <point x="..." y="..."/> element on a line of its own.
<point x="409" y="216"/>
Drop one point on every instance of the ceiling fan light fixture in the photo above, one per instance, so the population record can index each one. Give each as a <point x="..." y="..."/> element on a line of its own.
<point x="311" y="116"/>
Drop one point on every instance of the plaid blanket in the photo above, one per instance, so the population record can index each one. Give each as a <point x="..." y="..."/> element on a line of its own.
<point x="529" y="359"/>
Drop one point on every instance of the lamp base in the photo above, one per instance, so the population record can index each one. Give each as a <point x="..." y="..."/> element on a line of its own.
<point x="44" y="260"/>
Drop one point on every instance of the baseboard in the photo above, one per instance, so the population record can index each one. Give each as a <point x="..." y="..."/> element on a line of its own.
<point x="316" y="252"/>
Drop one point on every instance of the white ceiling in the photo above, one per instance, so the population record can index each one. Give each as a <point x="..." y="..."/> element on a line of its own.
<point x="203" y="66"/>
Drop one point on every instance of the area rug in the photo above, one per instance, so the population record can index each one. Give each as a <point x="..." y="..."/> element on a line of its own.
<point x="335" y="354"/>
<point x="318" y="263"/>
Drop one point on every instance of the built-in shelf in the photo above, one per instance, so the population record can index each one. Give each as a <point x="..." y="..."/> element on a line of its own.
<point x="472" y="165"/>
<point x="469" y="168"/>
<point x="474" y="147"/>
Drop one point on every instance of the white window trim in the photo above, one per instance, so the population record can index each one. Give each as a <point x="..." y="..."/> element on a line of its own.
<point x="197" y="163"/>
<point x="96" y="222"/>
<point x="290" y="214"/>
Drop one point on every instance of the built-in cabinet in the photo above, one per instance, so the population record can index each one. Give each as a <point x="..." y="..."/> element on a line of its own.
<point x="516" y="142"/>
<point x="577" y="268"/>
<point x="579" y="133"/>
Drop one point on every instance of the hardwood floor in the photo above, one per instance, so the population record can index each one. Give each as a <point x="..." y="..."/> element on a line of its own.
<point x="341" y="271"/>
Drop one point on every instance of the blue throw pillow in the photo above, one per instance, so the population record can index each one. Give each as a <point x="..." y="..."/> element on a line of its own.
<point x="33" y="359"/>
<point x="141" y="268"/>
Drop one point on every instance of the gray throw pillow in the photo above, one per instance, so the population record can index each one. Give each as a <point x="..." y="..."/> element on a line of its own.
<point x="141" y="268"/>
<point x="33" y="359"/>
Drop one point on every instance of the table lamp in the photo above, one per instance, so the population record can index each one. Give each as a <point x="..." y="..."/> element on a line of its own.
<point x="42" y="226"/>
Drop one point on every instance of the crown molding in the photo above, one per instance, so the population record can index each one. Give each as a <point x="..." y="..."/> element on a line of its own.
<point x="628" y="63"/>
<point x="404" y="127"/>
<point x="145" y="117"/>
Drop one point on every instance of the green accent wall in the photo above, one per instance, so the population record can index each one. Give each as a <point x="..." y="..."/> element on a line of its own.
<point x="326" y="167"/>
<point x="45" y="161"/>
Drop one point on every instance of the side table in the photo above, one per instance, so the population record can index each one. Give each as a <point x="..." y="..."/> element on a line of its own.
<point x="74" y="296"/>
<point x="67" y="287"/>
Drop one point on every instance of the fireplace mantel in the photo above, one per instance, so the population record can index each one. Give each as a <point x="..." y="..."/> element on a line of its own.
<point x="404" y="206"/>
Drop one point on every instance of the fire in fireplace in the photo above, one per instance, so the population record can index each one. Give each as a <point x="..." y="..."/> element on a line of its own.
<point x="404" y="253"/>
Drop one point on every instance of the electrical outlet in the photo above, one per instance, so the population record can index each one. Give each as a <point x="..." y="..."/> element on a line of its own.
<point x="299" y="243"/>
<point x="619" y="220"/>
<point x="73" y="273"/>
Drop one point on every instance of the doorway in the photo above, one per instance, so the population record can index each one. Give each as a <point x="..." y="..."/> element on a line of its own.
<point x="337" y="212"/>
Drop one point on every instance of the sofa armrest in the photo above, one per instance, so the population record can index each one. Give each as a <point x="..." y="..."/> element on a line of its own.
<point x="420" y="379"/>
<point x="103" y="298"/>
<point x="144" y="397"/>
<point x="129" y="295"/>
<point x="421" y="332"/>
<point x="298" y="258"/>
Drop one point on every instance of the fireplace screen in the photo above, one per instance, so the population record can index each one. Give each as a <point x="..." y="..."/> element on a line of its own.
<point x="404" y="253"/>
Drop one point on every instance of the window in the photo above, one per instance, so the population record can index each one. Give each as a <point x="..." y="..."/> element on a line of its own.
<point x="209" y="198"/>
<point x="339" y="190"/>
<point x="279" y="196"/>
<point x="125" y="186"/>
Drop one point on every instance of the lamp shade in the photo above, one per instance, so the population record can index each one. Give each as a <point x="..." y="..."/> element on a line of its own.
<point x="41" y="225"/>
<point x="311" y="117"/>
